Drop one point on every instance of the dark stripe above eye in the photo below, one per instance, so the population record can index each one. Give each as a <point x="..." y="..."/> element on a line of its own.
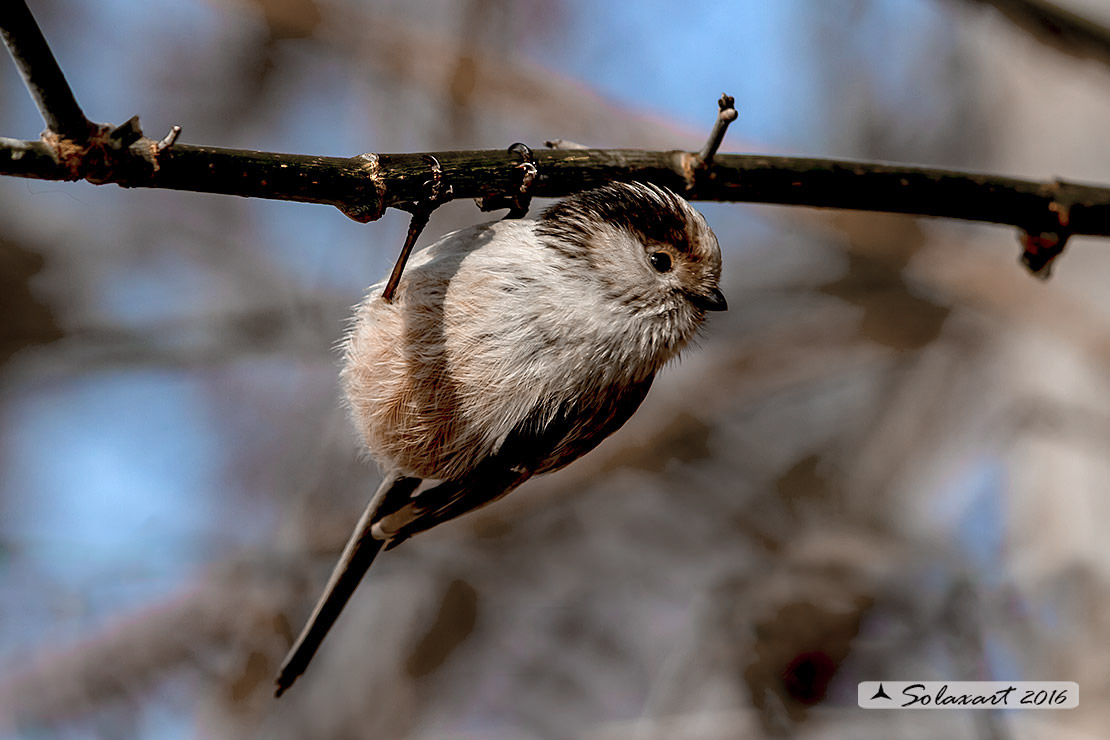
<point x="654" y="215"/>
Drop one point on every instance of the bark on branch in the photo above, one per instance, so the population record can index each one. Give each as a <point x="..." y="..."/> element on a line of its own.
<point x="41" y="73"/>
<point x="363" y="186"/>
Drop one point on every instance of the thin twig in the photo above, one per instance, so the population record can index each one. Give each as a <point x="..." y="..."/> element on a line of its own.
<point x="168" y="140"/>
<point x="726" y="114"/>
<point x="41" y="73"/>
<point x="127" y="133"/>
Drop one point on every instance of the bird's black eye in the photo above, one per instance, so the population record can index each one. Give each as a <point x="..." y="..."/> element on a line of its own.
<point x="661" y="261"/>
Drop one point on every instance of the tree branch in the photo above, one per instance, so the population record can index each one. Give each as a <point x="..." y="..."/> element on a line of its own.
<point x="1063" y="30"/>
<point x="363" y="186"/>
<point x="41" y="73"/>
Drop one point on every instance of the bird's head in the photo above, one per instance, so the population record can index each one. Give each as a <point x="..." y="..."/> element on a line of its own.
<point x="648" y="250"/>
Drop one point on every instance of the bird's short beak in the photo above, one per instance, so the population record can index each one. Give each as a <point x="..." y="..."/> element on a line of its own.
<point x="712" y="301"/>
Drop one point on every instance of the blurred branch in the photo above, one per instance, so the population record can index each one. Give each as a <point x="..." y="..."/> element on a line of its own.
<point x="382" y="44"/>
<point x="297" y="330"/>
<point x="232" y="609"/>
<point x="962" y="615"/>
<point x="365" y="185"/>
<point x="1063" y="30"/>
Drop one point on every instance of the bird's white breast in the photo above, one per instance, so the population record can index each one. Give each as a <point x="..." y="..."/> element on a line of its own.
<point x="488" y="325"/>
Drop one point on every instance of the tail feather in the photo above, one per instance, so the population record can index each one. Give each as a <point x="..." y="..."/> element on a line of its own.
<point x="352" y="566"/>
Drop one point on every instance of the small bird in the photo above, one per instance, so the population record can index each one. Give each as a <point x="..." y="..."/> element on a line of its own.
<point x="511" y="349"/>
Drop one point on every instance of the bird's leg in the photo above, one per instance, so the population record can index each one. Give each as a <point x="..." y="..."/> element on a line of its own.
<point x="529" y="169"/>
<point x="421" y="210"/>
<point x="519" y="201"/>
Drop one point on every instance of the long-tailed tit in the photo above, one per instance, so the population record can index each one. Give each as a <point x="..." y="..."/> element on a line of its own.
<point x="511" y="349"/>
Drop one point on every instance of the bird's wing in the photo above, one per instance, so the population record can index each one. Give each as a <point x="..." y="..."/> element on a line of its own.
<point x="539" y="444"/>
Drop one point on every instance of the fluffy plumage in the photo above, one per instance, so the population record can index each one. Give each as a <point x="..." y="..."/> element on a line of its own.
<point x="511" y="349"/>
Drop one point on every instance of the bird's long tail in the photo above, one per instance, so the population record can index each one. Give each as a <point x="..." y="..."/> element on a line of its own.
<point x="352" y="566"/>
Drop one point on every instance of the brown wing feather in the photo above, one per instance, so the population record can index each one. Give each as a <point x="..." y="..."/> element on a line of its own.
<point x="531" y="448"/>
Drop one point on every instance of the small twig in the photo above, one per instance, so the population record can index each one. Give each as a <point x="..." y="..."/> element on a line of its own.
<point x="726" y="114"/>
<point x="127" y="133"/>
<point x="41" y="73"/>
<point x="168" y="140"/>
<point x="421" y="211"/>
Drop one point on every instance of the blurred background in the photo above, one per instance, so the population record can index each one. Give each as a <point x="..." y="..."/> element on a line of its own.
<point x="888" y="460"/>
